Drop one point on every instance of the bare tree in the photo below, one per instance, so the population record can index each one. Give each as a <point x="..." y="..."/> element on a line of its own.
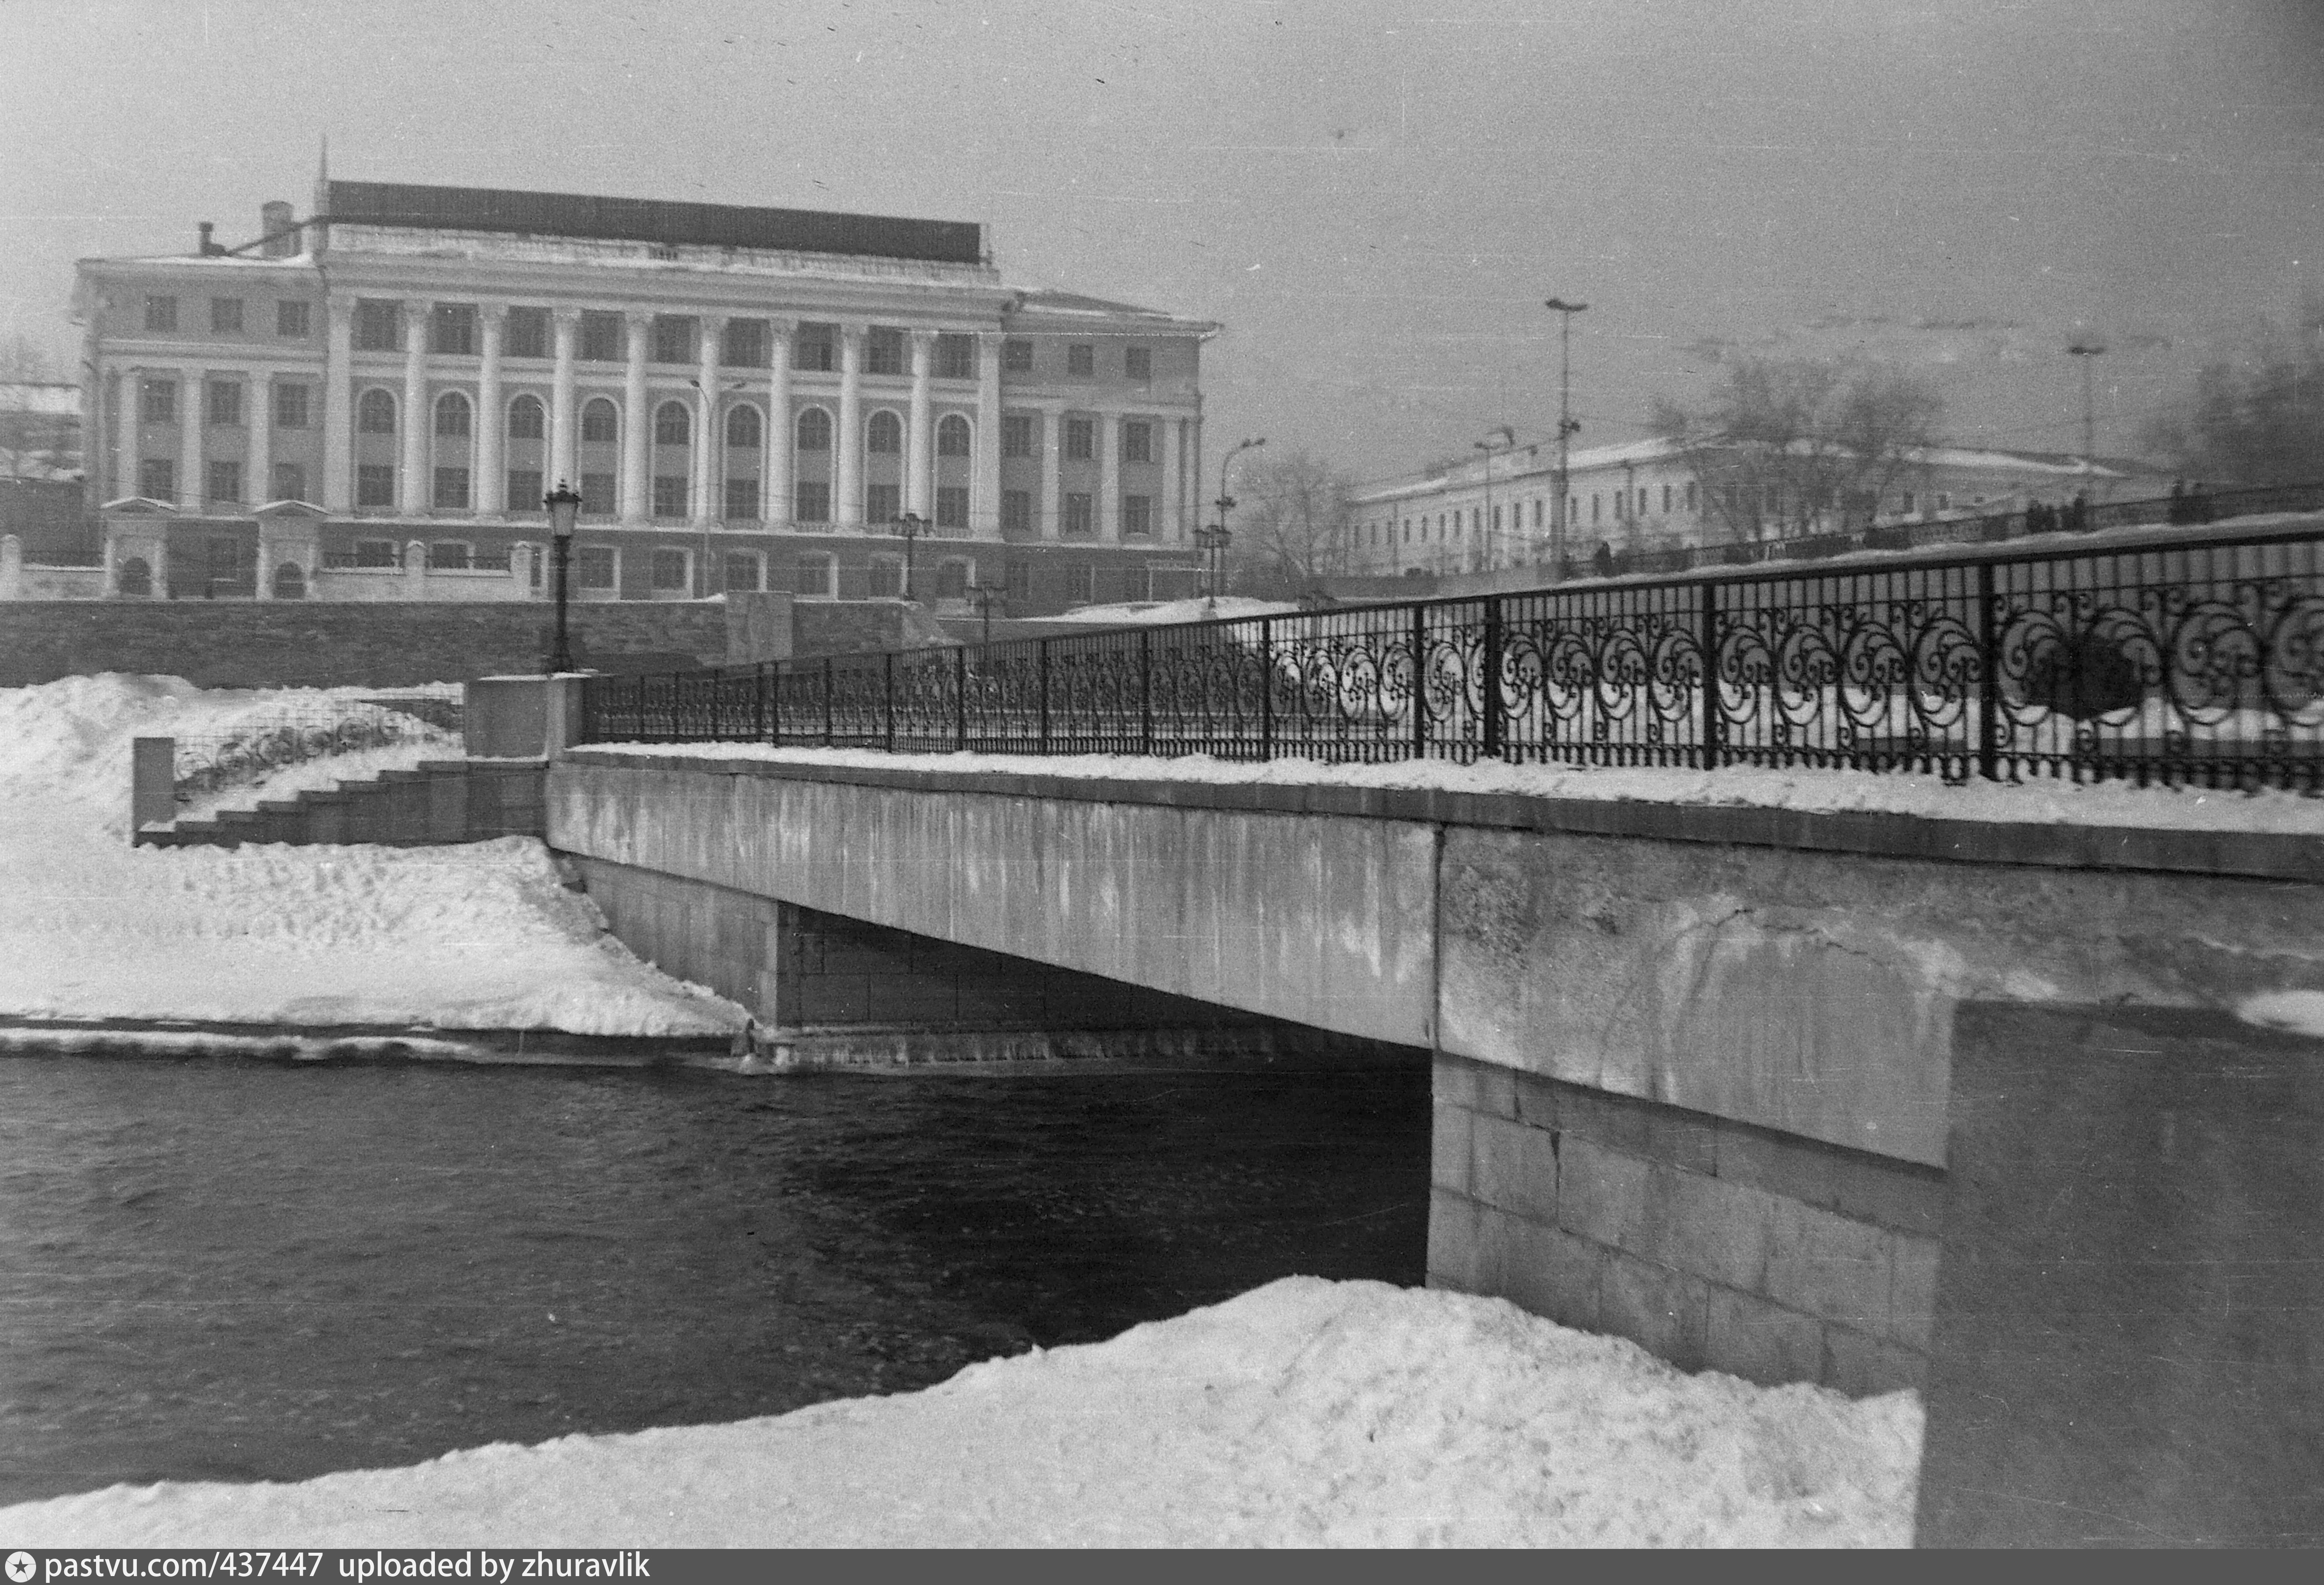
<point x="33" y="444"/>
<point x="1783" y="446"/>
<point x="1291" y="524"/>
<point x="2256" y="419"/>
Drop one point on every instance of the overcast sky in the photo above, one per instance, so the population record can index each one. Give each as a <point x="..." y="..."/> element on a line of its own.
<point x="1374" y="198"/>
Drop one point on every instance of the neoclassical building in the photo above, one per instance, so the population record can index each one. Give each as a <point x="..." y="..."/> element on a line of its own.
<point x="370" y="402"/>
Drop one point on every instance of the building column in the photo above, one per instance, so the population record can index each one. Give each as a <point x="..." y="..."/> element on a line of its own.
<point x="561" y="416"/>
<point x="637" y="419"/>
<point x="258" y="429"/>
<point x="129" y="389"/>
<point x="490" y="449"/>
<point x="1109" y="478"/>
<point x="190" y="437"/>
<point x="339" y="408"/>
<point x="917" y="473"/>
<point x="984" y="476"/>
<point x="1174" y="493"/>
<point x="709" y="493"/>
<point x="1194" y="470"/>
<point x="775" y="493"/>
<point x="1053" y="419"/>
<point x="849" y="512"/>
<point x="419" y="422"/>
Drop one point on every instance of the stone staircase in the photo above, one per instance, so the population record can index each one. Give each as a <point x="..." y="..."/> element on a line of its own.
<point x="438" y="801"/>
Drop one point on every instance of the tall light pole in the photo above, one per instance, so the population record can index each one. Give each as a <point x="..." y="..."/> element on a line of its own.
<point x="909" y="528"/>
<point x="1219" y="539"/>
<point x="1508" y="438"/>
<point x="2086" y="350"/>
<point x="1565" y="423"/>
<point x="564" y="504"/>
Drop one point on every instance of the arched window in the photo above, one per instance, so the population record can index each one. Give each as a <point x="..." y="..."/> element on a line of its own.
<point x="526" y="420"/>
<point x="134" y="578"/>
<point x="743" y="429"/>
<point x="452" y="416"/>
<point x="601" y="420"/>
<point x="885" y="433"/>
<point x="951" y="435"/>
<point x="289" y="580"/>
<point x="815" y="430"/>
<point x="375" y="414"/>
<point x="672" y="425"/>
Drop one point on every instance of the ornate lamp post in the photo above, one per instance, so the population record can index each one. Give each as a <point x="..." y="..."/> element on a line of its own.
<point x="1565" y="423"/>
<point x="986" y="594"/>
<point x="909" y="528"/>
<point x="564" y="504"/>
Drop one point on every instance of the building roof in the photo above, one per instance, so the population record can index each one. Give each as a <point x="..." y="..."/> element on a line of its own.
<point x="1044" y="301"/>
<point x="652" y="220"/>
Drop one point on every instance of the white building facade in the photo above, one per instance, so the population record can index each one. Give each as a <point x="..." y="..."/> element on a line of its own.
<point x="745" y="399"/>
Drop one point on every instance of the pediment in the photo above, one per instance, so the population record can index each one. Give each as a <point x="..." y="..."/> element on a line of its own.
<point x="290" y="510"/>
<point x="138" y="506"/>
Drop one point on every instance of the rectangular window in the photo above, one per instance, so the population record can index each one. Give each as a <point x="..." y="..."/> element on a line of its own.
<point x="744" y="345"/>
<point x="524" y="490"/>
<point x="378" y="326"/>
<point x="1137" y="441"/>
<point x="1080" y="358"/>
<point x="1017" y="577"/>
<point x="1017" y="357"/>
<point x="1137" y="516"/>
<point x="161" y="313"/>
<point x="1016" y="511"/>
<point x="814" y="504"/>
<point x="375" y="483"/>
<point x="157" y="479"/>
<point x="673" y="339"/>
<point x="956" y="357"/>
<point x="887" y="579"/>
<point x="597" y="495"/>
<point x="600" y="337"/>
<point x="743" y="567"/>
<point x="952" y="506"/>
<point x="1593" y="506"/>
<point x="1078" y="523"/>
<point x="1080" y="582"/>
<point x="1666" y="499"/>
<point x="814" y="348"/>
<point x="883" y="351"/>
<point x="452" y="488"/>
<point x="669" y="571"/>
<point x="157" y="401"/>
<point x="1690" y="498"/>
<point x="741" y="500"/>
<point x="813" y="578"/>
<point x="1081" y="439"/>
<point x="592" y="566"/>
<point x="375" y="553"/>
<point x="525" y="334"/>
<point x="1017" y="434"/>
<point x="881" y="504"/>
<point x="224" y="408"/>
<point x="1137" y="362"/>
<point x="226" y="315"/>
<point x="294" y="318"/>
<point x="669" y="496"/>
<point x="225" y="481"/>
<point x="289" y="481"/>
<point x="290" y="407"/>
<point x="447" y="556"/>
<point x="452" y="329"/>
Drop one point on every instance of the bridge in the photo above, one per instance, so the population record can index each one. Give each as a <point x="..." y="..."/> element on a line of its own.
<point x="1872" y="1100"/>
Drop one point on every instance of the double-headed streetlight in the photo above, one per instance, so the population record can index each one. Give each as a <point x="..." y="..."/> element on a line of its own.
<point x="1566" y="426"/>
<point x="564" y="504"/>
<point x="2087" y="350"/>
<point x="986" y="594"/>
<point x="909" y="528"/>
<point x="1214" y="540"/>
<point x="1491" y="525"/>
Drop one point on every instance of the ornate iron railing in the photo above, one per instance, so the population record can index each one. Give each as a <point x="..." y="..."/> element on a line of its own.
<point x="208" y="764"/>
<point x="2190" y="657"/>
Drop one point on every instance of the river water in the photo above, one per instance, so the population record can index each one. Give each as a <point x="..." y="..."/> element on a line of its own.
<point x="237" y="1269"/>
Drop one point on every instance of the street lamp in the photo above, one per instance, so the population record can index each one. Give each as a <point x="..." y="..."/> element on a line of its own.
<point x="909" y="528"/>
<point x="2086" y="351"/>
<point x="1214" y="540"/>
<point x="564" y="504"/>
<point x="1508" y="441"/>
<point x="1566" y="426"/>
<point x="984" y="595"/>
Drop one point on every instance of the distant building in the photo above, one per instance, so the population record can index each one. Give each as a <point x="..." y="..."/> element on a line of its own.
<point x="1643" y="496"/>
<point x="370" y="404"/>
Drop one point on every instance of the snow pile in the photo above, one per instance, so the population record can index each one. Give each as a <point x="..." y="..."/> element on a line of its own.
<point x="1303" y="1414"/>
<point x="2040" y="802"/>
<point x="1146" y="614"/>
<point x="284" y="782"/>
<point x="471" y="937"/>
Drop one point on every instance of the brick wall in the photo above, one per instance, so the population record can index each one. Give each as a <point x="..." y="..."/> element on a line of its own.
<point x="1713" y="1243"/>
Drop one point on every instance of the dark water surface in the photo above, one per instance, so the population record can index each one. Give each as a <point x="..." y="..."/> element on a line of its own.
<point x="228" y="1269"/>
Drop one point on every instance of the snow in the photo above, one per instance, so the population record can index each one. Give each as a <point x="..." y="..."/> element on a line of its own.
<point x="1169" y="612"/>
<point x="479" y="936"/>
<point x="2112" y="804"/>
<point x="2296" y="1012"/>
<point x="1305" y="1412"/>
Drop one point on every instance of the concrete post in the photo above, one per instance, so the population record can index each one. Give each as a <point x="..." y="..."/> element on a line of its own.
<point x="152" y="796"/>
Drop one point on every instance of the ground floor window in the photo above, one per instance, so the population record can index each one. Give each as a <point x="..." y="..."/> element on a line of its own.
<point x="1080" y="581"/>
<point x="290" y="582"/>
<point x="813" y="579"/>
<point x="887" y="577"/>
<point x="951" y="581"/>
<point x="447" y="556"/>
<point x="743" y="569"/>
<point x="669" y="571"/>
<point x="593" y="566"/>
<point x="741" y="500"/>
<point x="375" y="553"/>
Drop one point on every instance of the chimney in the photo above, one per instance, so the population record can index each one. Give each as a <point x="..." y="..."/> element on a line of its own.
<point x="274" y="224"/>
<point x="206" y="248"/>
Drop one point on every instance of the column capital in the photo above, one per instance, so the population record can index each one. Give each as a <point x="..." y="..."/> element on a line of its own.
<point x="852" y="331"/>
<point x="493" y="313"/>
<point x="418" y="307"/>
<point x="923" y="341"/>
<point x="342" y="310"/>
<point x="781" y="327"/>
<point x="638" y="318"/>
<point x="712" y="321"/>
<point x="565" y="316"/>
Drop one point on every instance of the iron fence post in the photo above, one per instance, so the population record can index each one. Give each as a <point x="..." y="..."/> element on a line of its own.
<point x="887" y="685"/>
<point x="1145" y="691"/>
<point x="1988" y="683"/>
<point x="960" y="697"/>
<point x="1045" y="694"/>
<point x="826" y="701"/>
<point x="1419" y="684"/>
<point x="1496" y="730"/>
<point x="1266" y="689"/>
<point x="713" y="679"/>
<point x="1709" y="642"/>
